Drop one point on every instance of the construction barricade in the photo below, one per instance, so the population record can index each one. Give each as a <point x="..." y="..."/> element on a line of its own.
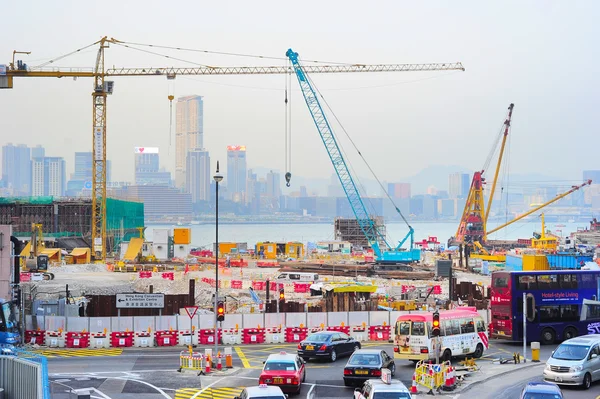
<point x="344" y="329"/>
<point x="35" y="337"/>
<point x="189" y="360"/>
<point x="99" y="340"/>
<point x="263" y="263"/>
<point x="231" y="336"/>
<point x="143" y="339"/>
<point x="121" y="339"/>
<point x="430" y="375"/>
<point x="206" y="336"/>
<point x="253" y="336"/>
<point x="379" y="333"/>
<point x="359" y="333"/>
<point x="274" y="335"/>
<point x="165" y="338"/>
<point x="301" y="288"/>
<point x="187" y="337"/>
<point x="236" y="284"/>
<point x="54" y="339"/>
<point x="295" y="334"/>
<point x="77" y="339"/>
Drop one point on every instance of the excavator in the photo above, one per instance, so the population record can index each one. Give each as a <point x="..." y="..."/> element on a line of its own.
<point x="472" y="231"/>
<point x="33" y="259"/>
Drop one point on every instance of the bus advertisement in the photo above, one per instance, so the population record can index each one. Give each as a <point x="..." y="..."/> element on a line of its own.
<point x="554" y="300"/>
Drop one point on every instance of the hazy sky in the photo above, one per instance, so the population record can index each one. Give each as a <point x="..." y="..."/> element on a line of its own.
<point x="541" y="55"/>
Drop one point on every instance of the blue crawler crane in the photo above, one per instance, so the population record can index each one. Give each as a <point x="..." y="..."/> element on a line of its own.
<point x="374" y="236"/>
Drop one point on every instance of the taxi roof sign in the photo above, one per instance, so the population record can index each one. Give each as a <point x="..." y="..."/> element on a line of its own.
<point x="283" y="353"/>
<point x="386" y="376"/>
<point x="262" y="385"/>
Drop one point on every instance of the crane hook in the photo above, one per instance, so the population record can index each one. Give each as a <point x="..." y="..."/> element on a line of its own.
<point x="288" y="177"/>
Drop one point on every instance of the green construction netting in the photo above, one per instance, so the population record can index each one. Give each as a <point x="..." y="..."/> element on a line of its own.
<point x="27" y="200"/>
<point x="123" y="218"/>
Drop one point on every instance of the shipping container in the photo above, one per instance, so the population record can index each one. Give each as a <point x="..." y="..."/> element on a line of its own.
<point x="160" y="236"/>
<point x="568" y="261"/>
<point x="182" y="235"/>
<point x="514" y="262"/>
<point x="535" y="262"/>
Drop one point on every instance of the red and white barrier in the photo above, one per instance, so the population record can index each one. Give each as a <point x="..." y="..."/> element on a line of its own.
<point x="232" y="336"/>
<point x="274" y="335"/>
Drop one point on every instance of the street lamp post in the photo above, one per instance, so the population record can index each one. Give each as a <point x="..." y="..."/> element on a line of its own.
<point x="218" y="177"/>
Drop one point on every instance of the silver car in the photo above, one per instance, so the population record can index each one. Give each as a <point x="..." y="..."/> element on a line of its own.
<point x="575" y="362"/>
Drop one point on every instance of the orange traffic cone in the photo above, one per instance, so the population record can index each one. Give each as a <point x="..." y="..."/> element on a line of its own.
<point x="413" y="388"/>
<point x="207" y="370"/>
<point x="219" y="365"/>
<point x="187" y="269"/>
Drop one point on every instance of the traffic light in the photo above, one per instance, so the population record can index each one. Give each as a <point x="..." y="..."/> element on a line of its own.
<point x="435" y="326"/>
<point x="16" y="296"/>
<point x="281" y="299"/>
<point x="220" y="311"/>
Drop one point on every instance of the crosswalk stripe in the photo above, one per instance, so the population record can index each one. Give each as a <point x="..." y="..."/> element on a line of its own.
<point x="210" y="393"/>
<point x="79" y="352"/>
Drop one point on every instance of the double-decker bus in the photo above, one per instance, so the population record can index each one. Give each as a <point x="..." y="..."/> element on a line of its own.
<point x="462" y="332"/>
<point x="9" y="327"/>
<point x="554" y="299"/>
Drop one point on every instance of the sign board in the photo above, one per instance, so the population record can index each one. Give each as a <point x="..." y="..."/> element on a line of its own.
<point x="2" y="69"/>
<point x="150" y="301"/>
<point x="145" y="150"/>
<point x="98" y="143"/>
<point x="191" y="311"/>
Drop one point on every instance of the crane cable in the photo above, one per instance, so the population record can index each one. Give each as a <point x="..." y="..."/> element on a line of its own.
<point x="288" y="173"/>
<point x="285" y="150"/>
<point x="360" y="154"/>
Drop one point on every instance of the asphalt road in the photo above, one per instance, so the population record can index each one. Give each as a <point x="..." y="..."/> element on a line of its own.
<point x="153" y="372"/>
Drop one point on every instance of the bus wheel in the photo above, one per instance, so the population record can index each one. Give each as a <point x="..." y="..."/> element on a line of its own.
<point x="447" y="356"/>
<point x="570" y="332"/>
<point x="548" y="336"/>
<point x="478" y="351"/>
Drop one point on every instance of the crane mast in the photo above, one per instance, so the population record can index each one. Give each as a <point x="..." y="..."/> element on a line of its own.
<point x="102" y="88"/>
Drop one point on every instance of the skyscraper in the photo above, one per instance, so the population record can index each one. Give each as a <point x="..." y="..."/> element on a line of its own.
<point x="16" y="168"/>
<point x="458" y="185"/>
<point x="273" y="184"/>
<point x="189" y="133"/>
<point x="399" y="190"/>
<point x="38" y="151"/>
<point x="81" y="179"/>
<point x="198" y="175"/>
<point x="147" y="168"/>
<point x="236" y="172"/>
<point x="48" y="176"/>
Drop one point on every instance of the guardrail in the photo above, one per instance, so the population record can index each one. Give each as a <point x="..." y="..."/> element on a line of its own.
<point x="24" y="375"/>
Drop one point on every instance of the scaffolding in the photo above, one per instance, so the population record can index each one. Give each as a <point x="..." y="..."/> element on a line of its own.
<point x="349" y="230"/>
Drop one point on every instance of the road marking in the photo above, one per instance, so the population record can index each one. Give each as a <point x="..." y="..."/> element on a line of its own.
<point x="52" y="353"/>
<point x="242" y="357"/>
<point x="207" y="387"/>
<point x="145" y="383"/>
<point x="308" y="395"/>
<point x="217" y="393"/>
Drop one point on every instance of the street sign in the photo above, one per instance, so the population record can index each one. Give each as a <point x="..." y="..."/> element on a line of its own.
<point x="191" y="311"/>
<point x="149" y="301"/>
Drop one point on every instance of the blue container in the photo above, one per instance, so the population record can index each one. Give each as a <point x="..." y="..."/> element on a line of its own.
<point x="514" y="263"/>
<point x="567" y="260"/>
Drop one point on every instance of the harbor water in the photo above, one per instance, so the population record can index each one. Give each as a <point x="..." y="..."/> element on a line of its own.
<point x="203" y="235"/>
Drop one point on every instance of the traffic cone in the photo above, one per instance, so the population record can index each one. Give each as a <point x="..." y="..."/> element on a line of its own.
<point x="452" y="377"/>
<point x="448" y="385"/>
<point x="187" y="269"/>
<point x="413" y="387"/>
<point x="207" y="370"/>
<point x="219" y="366"/>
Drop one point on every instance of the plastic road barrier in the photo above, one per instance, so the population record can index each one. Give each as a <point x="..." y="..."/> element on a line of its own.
<point x="190" y="361"/>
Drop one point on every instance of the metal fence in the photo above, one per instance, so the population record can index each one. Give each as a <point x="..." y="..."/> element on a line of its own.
<point x="24" y="375"/>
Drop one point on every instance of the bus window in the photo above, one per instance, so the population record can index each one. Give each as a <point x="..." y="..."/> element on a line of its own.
<point x="403" y="328"/>
<point x="527" y="282"/>
<point x="549" y="314"/>
<point x="480" y="325"/>
<point x="547" y="282"/>
<point x="467" y="326"/>
<point x="501" y="282"/>
<point x="418" y="328"/>
<point x="569" y="313"/>
<point x="447" y="327"/>
<point x="455" y="326"/>
<point x="568" y="281"/>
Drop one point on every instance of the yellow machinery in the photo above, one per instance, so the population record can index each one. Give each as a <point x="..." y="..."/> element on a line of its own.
<point x="37" y="256"/>
<point x="102" y="88"/>
<point x="544" y="242"/>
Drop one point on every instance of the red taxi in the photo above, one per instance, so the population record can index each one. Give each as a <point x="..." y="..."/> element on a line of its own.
<point x="284" y="370"/>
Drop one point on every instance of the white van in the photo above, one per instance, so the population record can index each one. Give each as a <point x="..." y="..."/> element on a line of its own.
<point x="297" y="277"/>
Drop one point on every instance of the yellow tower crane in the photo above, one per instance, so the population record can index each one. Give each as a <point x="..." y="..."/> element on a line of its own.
<point x="103" y="87"/>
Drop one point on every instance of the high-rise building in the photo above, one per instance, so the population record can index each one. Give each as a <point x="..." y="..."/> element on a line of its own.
<point x="198" y="175"/>
<point x="48" y="176"/>
<point x="189" y="133"/>
<point x="458" y="185"/>
<point x="16" y="168"/>
<point x="273" y="185"/>
<point x="399" y="190"/>
<point x="236" y="172"/>
<point x="593" y="175"/>
<point x="147" y="168"/>
<point x="81" y="179"/>
<point x="38" y="151"/>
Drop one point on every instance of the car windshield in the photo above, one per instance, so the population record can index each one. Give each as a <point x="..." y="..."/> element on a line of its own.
<point x="362" y="359"/>
<point x="391" y="395"/>
<point x="280" y="366"/>
<point x="570" y="352"/>
<point x="318" y="337"/>
<point x="533" y="395"/>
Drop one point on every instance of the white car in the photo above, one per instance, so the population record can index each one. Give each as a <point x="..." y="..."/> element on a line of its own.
<point x="262" y="391"/>
<point x="385" y="388"/>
